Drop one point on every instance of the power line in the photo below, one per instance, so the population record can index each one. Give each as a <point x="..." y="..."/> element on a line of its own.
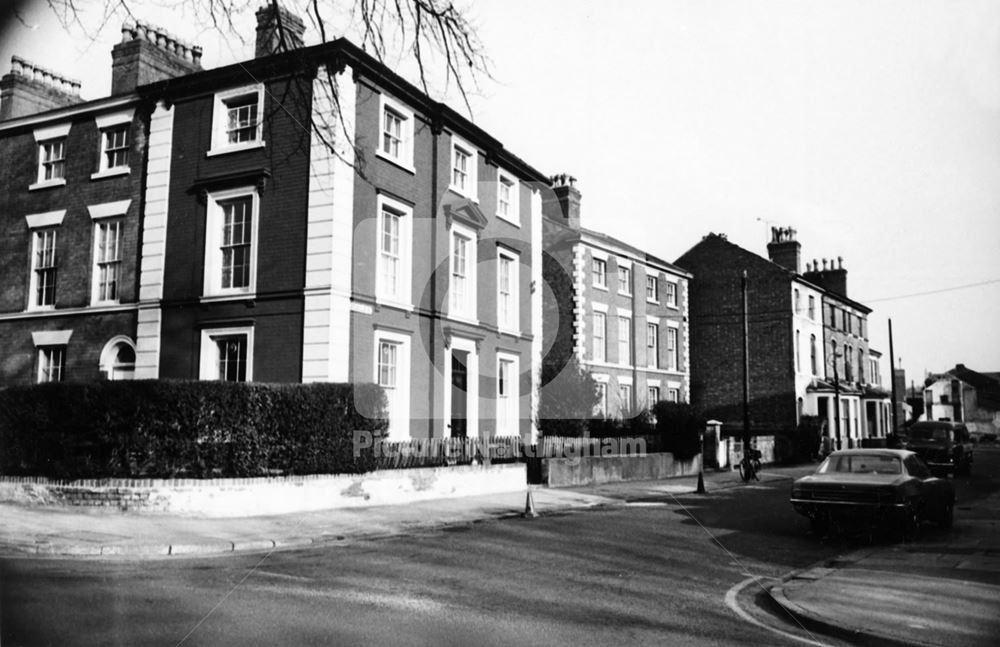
<point x="920" y="294"/>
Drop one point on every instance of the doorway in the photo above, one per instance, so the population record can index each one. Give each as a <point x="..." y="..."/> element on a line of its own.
<point x="459" y="394"/>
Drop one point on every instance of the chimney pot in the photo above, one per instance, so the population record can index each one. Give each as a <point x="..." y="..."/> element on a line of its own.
<point x="562" y="203"/>
<point x="148" y="54"/>
<point x="278" y="30"/>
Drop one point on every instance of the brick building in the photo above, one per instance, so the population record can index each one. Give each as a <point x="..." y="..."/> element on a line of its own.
<point x="964" y="395"/>
<point x="623" y="312"/>
<point x="808" y="342"/>
<point x="307" y="215"/>
<point x="73" y="179"/>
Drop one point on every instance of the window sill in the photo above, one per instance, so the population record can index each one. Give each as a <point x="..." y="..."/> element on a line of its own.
<point x="217" y="298"/>
<point x="40" y="308"/>
<point x="655" y="302"/>
<point x="597" y="286"/>
<point x="47" y="184"/>
<point x="509" y="331"/>
<point x="406" y="166"/>
<point x="111" y="172"/>
<point x="624" y="294"/>
<point x="391" y="303"/>
<point x="235" y="148"/>
<point x="463" y="319"/>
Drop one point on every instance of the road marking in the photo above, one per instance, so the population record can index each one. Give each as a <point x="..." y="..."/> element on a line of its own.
<point x="731" y="602"/>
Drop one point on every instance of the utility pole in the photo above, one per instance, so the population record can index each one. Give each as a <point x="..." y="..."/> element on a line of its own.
<point x="746" y="370"/>
<point x="892" y="363"/>
<point x="836" y="394"/>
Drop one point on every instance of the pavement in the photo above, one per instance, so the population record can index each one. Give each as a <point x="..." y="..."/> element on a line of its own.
<point x="957" y="589"/>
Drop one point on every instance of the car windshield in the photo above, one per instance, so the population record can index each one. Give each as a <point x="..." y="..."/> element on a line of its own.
<point x="929" y="433"/>
<point x="860" y="464"/>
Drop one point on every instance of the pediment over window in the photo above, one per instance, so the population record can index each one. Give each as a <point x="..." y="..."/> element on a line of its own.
<point x="466" y="212"/>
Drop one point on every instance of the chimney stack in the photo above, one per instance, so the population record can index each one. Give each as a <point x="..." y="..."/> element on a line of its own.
<point x="784" y="250"/>
<point x="832" y="277"/>
<point x="29" y="89"/>
<point x="148" y="54"/>
<point x="563" y="203"/>
<point x="278" y="30"/>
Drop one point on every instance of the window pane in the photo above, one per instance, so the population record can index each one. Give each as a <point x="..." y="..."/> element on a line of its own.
<point x="242" y="119"/>
<point x="236" y="243"/>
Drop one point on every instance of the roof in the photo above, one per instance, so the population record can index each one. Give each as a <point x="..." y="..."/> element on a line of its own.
<point x="713" y="238"/>
<point x="987" y="388"/>
<point x="601" y="238"/>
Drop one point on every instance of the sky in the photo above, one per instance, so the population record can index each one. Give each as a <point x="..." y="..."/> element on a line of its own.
<point x="872" y="127"/>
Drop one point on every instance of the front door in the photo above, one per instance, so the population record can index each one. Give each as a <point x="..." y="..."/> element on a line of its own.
<point x="459" y="393"/>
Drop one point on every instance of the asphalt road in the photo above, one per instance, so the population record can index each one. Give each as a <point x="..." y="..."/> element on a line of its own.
<point x="655" y="571"/>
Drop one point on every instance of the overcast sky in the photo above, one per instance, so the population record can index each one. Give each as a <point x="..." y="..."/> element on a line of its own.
<point x="871" y="127"/>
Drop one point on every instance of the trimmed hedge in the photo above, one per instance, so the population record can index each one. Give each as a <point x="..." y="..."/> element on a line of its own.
<point x="681" y="426"/>
<point x="167" y="429"/>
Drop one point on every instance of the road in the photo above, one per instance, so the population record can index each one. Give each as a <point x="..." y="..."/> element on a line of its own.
<point x="654" y="571"/>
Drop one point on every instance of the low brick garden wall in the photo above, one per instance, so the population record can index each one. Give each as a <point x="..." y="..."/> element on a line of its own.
<point x="241" y="497"/>
<point x="594" y="470"/>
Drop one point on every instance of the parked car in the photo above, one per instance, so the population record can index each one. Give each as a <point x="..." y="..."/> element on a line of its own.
<point x="872" y="488"/>
<point x="944" y="446"/>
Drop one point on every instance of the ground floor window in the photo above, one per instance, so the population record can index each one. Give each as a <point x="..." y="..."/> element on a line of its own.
<point x="51" y="363"/>
<point x="227" y="354"/>
<point x="392" y="373"/>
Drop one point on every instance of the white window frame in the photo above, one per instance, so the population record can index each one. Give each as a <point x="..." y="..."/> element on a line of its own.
<point x="107" y="124"/>
<point x="464" y="307"/>
<point x="403" y="296"/>
<point x="600" y="342"/>
<point x="626" y="271"/>
<point x="469" y="191"/>
<point x="603" y="264"/>
<point x="220" y="120"/>
<point x="671" y="293"/>
<point x="673" y="394"/>
<point x="208" y="366"/>
<point x="625" y="337"/>
<point x="48" y="356"/>
<point x="44" y="136"/>
<point x="398" y="399"/>
<point x="513" y="214"/>
<point x="652" y="358"/>
<point x="513" y="321"/>
<point x="406" y="127"/>
<point x="653" y="281"/>
<point x="508" y="405"/>
<point x="101" y="215"/>
<point x="625" y="394"/>
<point x="673" y="354"/>
<point x="652" y="393"/>
<point x="214" y="222"/>
<point x="38" y="224"/>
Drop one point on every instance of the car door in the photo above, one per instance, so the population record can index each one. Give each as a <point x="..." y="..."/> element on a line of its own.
<point x="932" y="491"/>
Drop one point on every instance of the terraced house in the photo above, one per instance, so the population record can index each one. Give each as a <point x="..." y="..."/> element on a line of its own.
<point x="305" y="216"/>
<point x="624" y="314"/>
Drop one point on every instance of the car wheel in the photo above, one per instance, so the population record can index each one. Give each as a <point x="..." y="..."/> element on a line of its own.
<point x="948" y="515"/>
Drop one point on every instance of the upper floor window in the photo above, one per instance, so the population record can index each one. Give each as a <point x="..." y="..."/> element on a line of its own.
<point x="624" y="340"/>
<point x="507" y="300"/>
<point x="796" y="301"/>
<point x="51" y="170"/>
<point x="812" y="307"/>
<point x="227" y="354"/>
<point x="463" y="168"/>
<point x="813" y="359"/>
<point x="861" y="365"/>
<point x="43" y="270"/>
<point x="463" y="272"/>
<point x="624" y="280"/>
<point x="237" y="121"/>
<point x="600" y="273"/>
<point x="230" y="243"/>
<point x="396" y="137"/>
<point x="671" y="294"/>
<point x="652" y="345"/>
<point x="507" y="198"/>
<point x="107" y="260"/>
<point x="798" y="364"/>
<point x="51" y="364"/>
<point x="652" y="288"/>
<point x="600" y="337"/>
<point x="115" y="143"/>
<point x="673" y="358"/>
<point x="52" y="160"/>
<point x="393" y="276"/>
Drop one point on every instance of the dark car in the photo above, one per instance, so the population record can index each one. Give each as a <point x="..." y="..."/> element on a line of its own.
<point x="871" y="488"/>
<point x="944" y="446"/>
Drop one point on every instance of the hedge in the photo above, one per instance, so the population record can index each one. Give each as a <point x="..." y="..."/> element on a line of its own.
<point x="167" y="429"/>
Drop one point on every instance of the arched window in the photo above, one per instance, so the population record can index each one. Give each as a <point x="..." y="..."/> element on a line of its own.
<point x="118" y="359"/>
